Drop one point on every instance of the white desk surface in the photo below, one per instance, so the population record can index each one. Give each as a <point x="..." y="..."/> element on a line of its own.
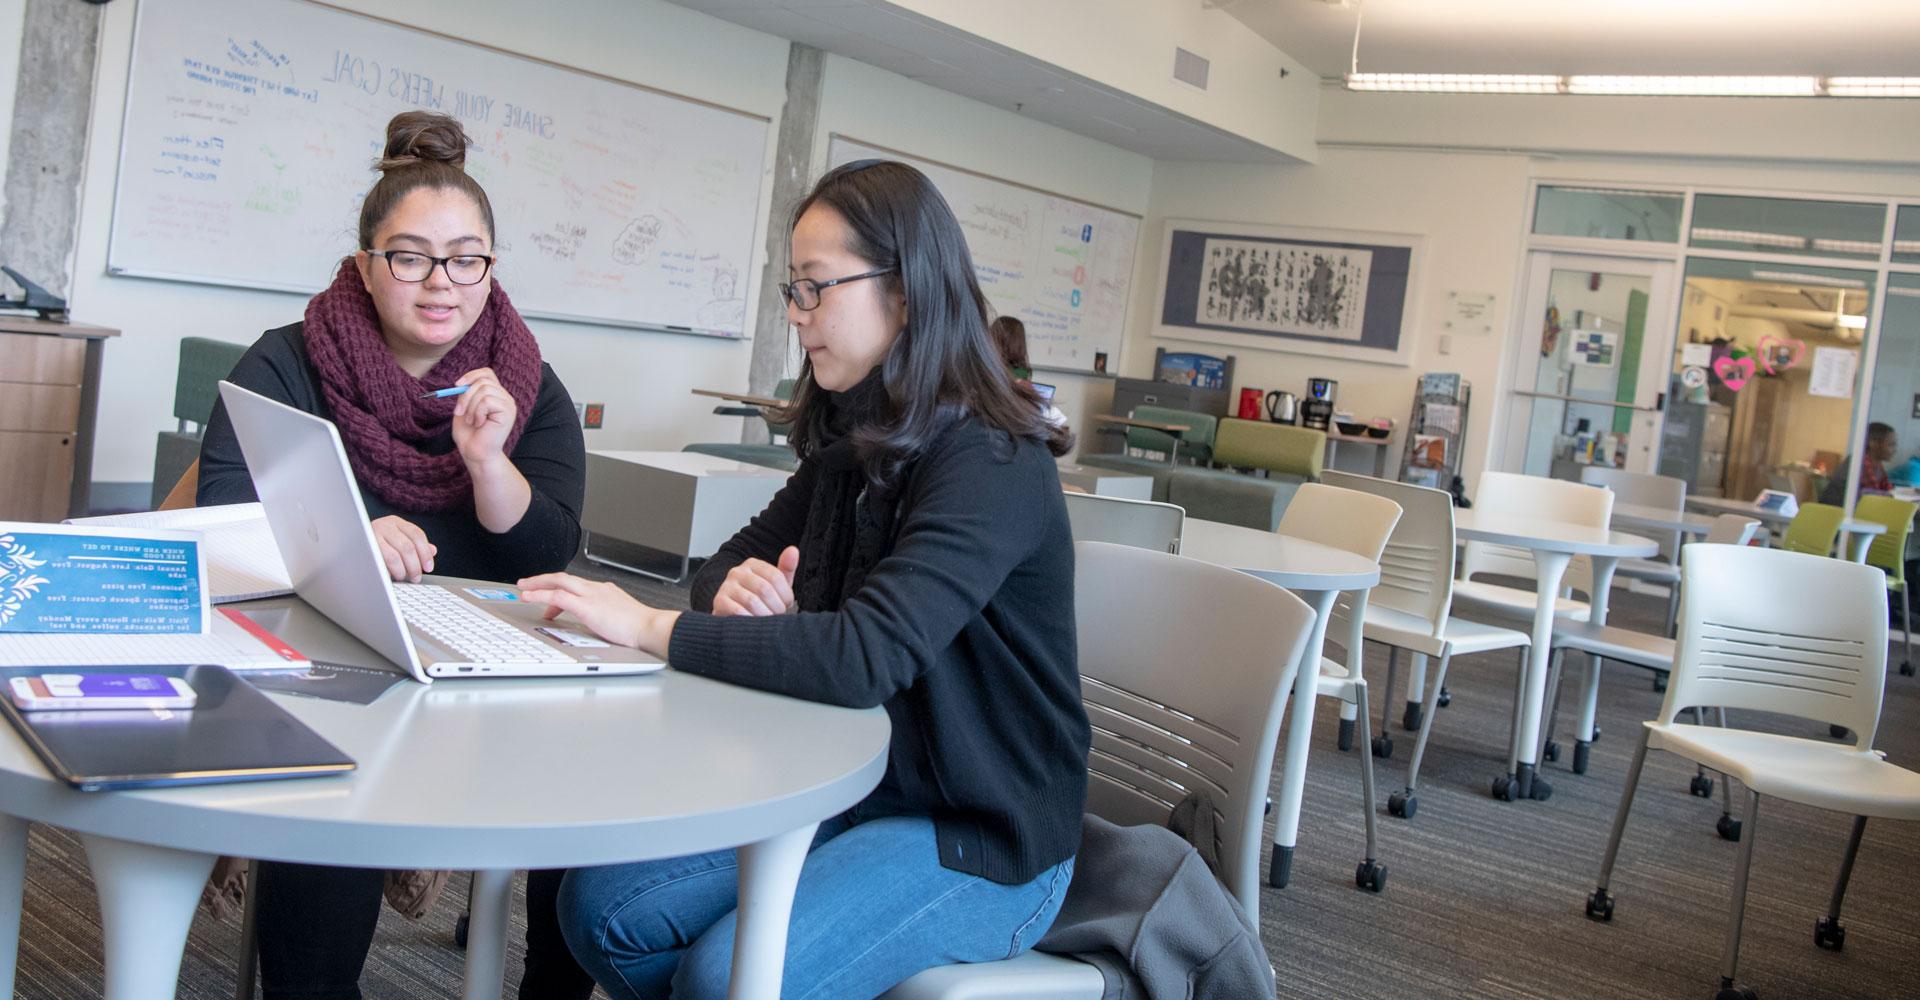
<point x="1645" y="518"/>
<point x="1549" y="535"/>
<point x="1293" y="563"/>
<point x="1726" y="505"/>
<point x="508" y="774"/>
<point x="690" y="463"/>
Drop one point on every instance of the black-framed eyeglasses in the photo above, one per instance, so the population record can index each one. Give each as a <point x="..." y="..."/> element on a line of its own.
<point x="805" y="293"/>
<point x="410" y="266"/>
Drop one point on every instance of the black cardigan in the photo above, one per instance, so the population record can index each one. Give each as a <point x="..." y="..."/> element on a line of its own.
<point x="963" y="630"/>
<point x="551" y="454"/>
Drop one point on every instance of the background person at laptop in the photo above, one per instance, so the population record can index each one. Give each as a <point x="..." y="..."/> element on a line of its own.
<point x="485" y="485"/>
<point x="923" y="543"/>
<point x="1010" y="337"/>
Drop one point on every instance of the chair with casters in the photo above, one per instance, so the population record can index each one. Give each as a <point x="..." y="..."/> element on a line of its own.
<point x="1143" y="524"/>
<point x="1410" y="609"/>
<point x="1360" y="523"/>
<point x="1791" y="634"/>
<point x="1513" y="494"/>
<point x="1889" y="552"/>
<point x="1176" y="706"/>
<point x="1814" y="529"/>
<point x="1644" y="489"/>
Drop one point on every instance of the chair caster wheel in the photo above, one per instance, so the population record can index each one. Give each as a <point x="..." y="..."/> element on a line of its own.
<point x="460" y="932"/>
<point x="1837" y="732"/>
<point x="1596" y="734"/>
<point x="1552" y="751"/>
<point x="1581" y="751"/>
<point x="1346" y="734"/>
<point x="1403" y="805"/>
<point x="1505" y="788"/>
<point x="1828" y="934"/>
<point x="1541" y="791"/>
<point x="1732" y="992"/>
<point x="1370" y="876"/>
<point x="1728" y="827"/>
<point x="1383" y="747"/>
<point x="1445" y="699"/>
<point x="1906" y="669"/>
<point x="1600" y="906"/>
<point x="1701" y="786"/>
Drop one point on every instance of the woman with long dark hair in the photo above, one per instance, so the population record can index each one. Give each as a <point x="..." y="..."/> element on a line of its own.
<point x="919" y="560"/>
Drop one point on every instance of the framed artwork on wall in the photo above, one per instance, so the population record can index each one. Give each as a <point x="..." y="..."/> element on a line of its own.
<point x="1324" y="292"/>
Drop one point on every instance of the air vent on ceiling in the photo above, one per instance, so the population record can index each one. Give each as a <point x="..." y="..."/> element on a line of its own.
<point x="1190" y="68"/>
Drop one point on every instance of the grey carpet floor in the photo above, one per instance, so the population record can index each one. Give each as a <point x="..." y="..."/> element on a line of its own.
<point x="1483" y="898"/>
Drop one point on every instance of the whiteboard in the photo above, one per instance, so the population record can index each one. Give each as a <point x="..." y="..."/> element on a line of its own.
<point x="252" y="125"/>
<point x="1062" y="266"/>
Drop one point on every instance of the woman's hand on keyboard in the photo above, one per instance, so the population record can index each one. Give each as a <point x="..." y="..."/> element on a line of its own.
<point x="611" y="613"/>
<point x="757" y="587"/>
<point x="404" y="548"/>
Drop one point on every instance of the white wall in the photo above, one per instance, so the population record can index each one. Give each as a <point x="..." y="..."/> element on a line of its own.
<point x="1128" y="45"/>
<point x="13" y="25"/>
<point x="879" y="107"/>
<point x="642" y="377"/>
<point x="1467" y="208"/>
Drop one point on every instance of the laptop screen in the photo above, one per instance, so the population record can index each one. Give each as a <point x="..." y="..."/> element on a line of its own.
<point x="1045" y="391"/>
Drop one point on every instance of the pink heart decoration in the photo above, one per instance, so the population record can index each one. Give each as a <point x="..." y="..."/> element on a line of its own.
<point x="1769" y="343"/>
<point x="1733" y="372"/>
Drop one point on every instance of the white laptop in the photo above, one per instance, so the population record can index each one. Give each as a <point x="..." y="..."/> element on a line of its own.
<point x="301" y="473"/>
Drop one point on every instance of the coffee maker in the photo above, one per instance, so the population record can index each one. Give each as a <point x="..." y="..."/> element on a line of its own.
<point x="1316" y="411"/>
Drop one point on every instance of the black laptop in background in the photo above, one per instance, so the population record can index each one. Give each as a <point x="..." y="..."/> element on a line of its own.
<point x="232" y="733"/>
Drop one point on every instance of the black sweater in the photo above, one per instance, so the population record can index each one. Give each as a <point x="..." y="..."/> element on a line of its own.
<point x="963" y="630"/>
<point x="551" y="454"/>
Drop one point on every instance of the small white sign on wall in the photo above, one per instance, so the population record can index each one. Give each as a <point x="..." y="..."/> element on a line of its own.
<point x="1469" y="312"/>
<point x="1696" y="355"/>
<point x="1833" y="369"/>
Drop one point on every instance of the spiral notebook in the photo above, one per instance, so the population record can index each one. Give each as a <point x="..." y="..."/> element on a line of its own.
<point x="243" y="561"/>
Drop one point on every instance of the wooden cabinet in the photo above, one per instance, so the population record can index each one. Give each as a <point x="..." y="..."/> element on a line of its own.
<point x="49" y="390"/>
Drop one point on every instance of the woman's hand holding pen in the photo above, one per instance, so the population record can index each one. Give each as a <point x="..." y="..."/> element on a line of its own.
<point x="757" y="587"/>
<point x="482" y="418"/>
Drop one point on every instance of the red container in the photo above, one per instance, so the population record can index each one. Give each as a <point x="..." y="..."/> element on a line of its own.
<point x="1250" y="400"/>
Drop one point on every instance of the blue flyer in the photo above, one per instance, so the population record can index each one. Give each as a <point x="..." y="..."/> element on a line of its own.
<point x="60" y="579"/>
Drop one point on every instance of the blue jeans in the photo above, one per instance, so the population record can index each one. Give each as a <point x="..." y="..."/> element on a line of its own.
<point x="873" y="908"/>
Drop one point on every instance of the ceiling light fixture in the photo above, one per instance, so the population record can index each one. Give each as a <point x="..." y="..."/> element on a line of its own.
<point x="1696" y="86"/>
<point x="1803" y="278"/>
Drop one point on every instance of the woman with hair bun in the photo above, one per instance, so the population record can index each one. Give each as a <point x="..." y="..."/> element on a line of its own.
<point x="487" y="484"/>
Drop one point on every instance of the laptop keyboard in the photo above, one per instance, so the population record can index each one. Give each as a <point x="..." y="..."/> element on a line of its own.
<point x="477" y="636"/>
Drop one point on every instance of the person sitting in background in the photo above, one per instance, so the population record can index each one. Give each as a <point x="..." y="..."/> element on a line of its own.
<point x="1882" y="443"/>
<point x="1010" y="337"/>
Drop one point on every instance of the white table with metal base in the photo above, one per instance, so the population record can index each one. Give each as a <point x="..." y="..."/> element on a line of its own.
<point x="1859" y="533"/>
<point x="1553" y="544"/>
<point x="1317" y="573"/>
<point x="679" y="502"/>
<point x="602" y="771"/>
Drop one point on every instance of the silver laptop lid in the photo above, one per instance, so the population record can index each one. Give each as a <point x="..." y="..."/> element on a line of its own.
<point x="300" y="471"/>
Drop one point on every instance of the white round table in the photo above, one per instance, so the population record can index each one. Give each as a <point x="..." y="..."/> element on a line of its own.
<point x="1317" y="573"/>
<point x="1553" y="544"/>
<point x="1640" y="517"/>
<point x="1859" y="533"/>
<point x="489" y="775"/>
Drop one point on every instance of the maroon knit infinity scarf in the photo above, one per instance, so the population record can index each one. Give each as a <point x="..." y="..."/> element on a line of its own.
<point x="377" y="405"/>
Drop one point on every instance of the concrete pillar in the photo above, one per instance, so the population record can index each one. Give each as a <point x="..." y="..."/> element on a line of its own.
<point x="792" y="176"/>
<point x="47" y="156"/>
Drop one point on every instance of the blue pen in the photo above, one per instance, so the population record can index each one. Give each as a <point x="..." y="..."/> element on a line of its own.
<point x="444" y="393"/>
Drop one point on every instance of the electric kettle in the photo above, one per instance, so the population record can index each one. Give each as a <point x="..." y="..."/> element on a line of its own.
<point x="1282" y="407"/>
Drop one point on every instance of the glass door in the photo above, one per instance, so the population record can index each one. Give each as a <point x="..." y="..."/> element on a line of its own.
<point x="1590" y="376"/>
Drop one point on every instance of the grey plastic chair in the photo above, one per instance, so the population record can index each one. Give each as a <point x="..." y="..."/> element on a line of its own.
<point x="1647" y="490"/>
<point x="1144" y="524"/>
<point x="1177" y="706"/>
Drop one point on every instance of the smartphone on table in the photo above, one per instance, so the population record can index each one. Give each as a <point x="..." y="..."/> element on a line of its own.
<point x="69" y="691"/>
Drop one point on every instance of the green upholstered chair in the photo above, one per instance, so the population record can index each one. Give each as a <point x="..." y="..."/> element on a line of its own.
<point x="1281" y="448"/>
<point x="778" y="455"/>
<point x="1889" y="552"/>
<point x="1814" y="530"/>
<point x="1195" y="445"/>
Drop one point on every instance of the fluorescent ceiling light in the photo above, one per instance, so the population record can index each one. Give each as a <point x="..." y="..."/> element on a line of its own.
<point x="1848" y="246"/>
<point x="1906" y="246"/>
<point x="1751" y="238"/>
<point x="1911" y="293"/>
<point x="1623" y="192"/>
<point x="1697" y="86"/>
<point x="1846" y="322"/>
<point x="1803" y="278"/>
<point x="1873" y="86"/>
<point x="1455" y="83"/>
<point x="1642" y="86"/>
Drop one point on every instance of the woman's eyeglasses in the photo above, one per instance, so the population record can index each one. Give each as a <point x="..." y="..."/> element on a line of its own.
<point x="805" y="293"/>
<point x="463" y="269"/>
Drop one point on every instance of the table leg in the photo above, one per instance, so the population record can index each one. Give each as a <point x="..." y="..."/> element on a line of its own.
<point x="486" y="971"/>
<point x="147" y="898"/>
<point x="1603" y="567"/>
<point x="1293" y="776"/>
<point x="769" y="873"/>
<point x="13" y="883"/>
<point x="1550" y="570"/>
<point x="1857" y="544"/>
